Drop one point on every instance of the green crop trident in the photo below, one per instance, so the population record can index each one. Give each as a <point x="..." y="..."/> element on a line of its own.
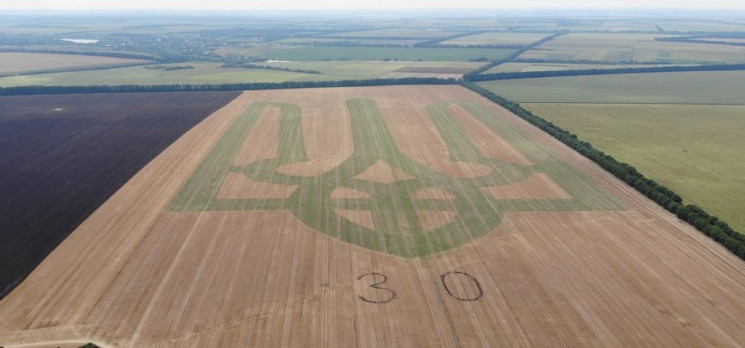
<point x="396" y="210"/>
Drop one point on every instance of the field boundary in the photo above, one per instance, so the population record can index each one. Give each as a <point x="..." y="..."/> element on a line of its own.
<point x="86" y="53"/>
<point x="710" y="225"/>
<point x="96" y="89"/>
<point x="510" y="58"/>
<point x="74" y="69"/>
<point x="614" y="71"/>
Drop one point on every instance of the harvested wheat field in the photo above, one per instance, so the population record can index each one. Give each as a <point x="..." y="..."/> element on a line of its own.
<point x="377" y="216"/>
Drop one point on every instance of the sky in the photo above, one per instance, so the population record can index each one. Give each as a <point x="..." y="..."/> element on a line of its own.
<point x="362" y="5"/>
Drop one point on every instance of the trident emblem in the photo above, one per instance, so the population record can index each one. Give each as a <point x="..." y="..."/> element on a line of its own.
<point x="379" y="198"/>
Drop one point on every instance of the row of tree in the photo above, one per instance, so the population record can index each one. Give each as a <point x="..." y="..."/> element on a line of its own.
<point x="630" y="70"/>
<point x="88" y="53"/>
<point x="267" y="67"/>
<point x="710" y="225"/>
<point x="587" y="61"/>
<point x="34" y="90"/>
<point x="481" y="69"/>
<point x="703" y="39"/>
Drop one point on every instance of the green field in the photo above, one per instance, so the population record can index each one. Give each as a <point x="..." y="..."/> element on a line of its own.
<point x="524" y="67"/>
<point x="140" y="75"/>
<point x="12" y="63"/>
<point x="394" y="210"/>
<point x="705" y="87"/>
<point x="316" y="53"/>
<point x="344" y="70"/>
<point x="609" y="47"/>
<point x="211" y="73"/>
<point x="496" y="38"/>
<point x="695" y="150"/>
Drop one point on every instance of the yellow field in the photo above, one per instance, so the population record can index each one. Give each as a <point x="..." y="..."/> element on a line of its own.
<point x="377" y="216"/>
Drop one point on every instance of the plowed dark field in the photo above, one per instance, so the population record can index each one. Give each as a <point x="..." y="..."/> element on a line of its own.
<point x="62" y="156"/>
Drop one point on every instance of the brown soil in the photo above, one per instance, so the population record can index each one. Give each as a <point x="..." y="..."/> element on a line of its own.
<point x="360" y="217"/>
<point x="327" y="130"/>
<point x="261" y="141"/>
<point x="432" y="219"/>
<point x="432" y="193"/>
<point x="489" y="143"/>
<point x="343" y="192"/>
<point x="239" y="186"/>
<point x="383" y="173"/>
<point x="537" y="186"/>
<point x="416" y="135"/>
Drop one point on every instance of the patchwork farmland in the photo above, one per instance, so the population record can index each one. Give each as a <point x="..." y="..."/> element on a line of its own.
<point x="397" y="216"/>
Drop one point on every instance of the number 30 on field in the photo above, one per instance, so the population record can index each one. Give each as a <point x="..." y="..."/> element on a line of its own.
<point x="458" y="285"/>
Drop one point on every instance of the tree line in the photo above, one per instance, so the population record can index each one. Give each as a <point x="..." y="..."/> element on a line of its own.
<point x="481" y="69"/>
<point x="710" y="225"/>
<point x="35" y="90"/>
<point x="702" y="39"/>
<point x="87" y="53"/>
<point x="267" y="67"/>
<point x="629" y="70"/>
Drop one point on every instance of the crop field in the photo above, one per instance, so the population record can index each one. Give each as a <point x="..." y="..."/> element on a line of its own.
<point x="633" y="47"/>
<point x="380" y="216"/>
<point x="724" y="39"/>
<point x="327" y="40"/>
<point x="496" y="38"/>
<point x="700" y="25"/>
<point x="699" y="155"/>
<point x="523" y="67"/>
<point x="344" y="70"/>
<point x="400" y="33"/>
<point x="211" y="73"/>
<point x="202" y="72"/>
<point x="319" y="53"/>
<point x="63" y="156"/>
<point x="705" y="87"/>
<point x="19" y="63"/>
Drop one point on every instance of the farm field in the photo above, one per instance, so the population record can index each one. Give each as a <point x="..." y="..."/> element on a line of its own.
<point x="321" y="53"/>
<point x="396" y="33"/>
<point x="19" y="63"/>
<point x="203" y="72"/>
<point x="211" y="73"/>
<point x="326" y="40"/>
<point x="724" y="39"/>
<point x="496" y="38"/>
<point x="396" y="216"/>
<point x="607" y="47"/>
<point x="700" y="25"/>
<point x="63" y="156"/>
<point x="699" y="155"/>
<point x="705" y="87"/>
<point x="523" y="67"/>
<point x="345" y="70"/>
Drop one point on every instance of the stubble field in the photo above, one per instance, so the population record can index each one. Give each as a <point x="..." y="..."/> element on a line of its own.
<point x="381" y="216"/>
